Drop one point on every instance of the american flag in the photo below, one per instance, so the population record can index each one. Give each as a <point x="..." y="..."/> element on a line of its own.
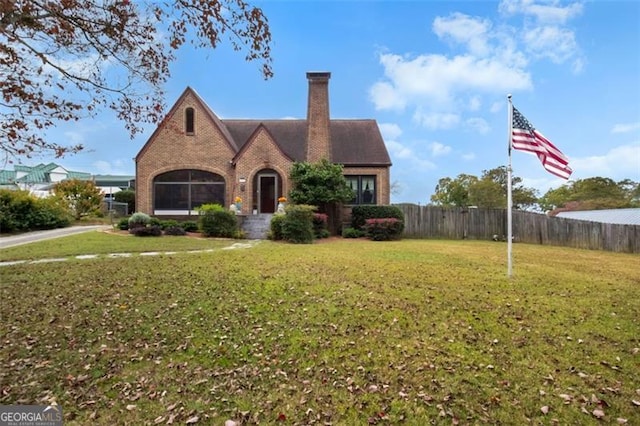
<point x="527" y="138"/>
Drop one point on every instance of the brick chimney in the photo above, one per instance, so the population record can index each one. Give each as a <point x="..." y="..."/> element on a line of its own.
<point x="318" y="134"/>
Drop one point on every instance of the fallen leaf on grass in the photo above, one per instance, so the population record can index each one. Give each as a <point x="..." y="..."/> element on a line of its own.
<point x="544" y="409"/>
<point x="131" y="407"/>
<point x="598" y="413"/>
<point x="192" y="420"/>
<point x="621" y="421"/>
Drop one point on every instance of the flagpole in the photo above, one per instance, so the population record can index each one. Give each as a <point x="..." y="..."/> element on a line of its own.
<point x="509" y="191"/>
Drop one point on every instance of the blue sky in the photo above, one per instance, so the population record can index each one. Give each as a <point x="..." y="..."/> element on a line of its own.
<point x="435" y="75"/>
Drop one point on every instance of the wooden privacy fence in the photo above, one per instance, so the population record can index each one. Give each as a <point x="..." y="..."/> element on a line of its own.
<point x="536" y="228"/>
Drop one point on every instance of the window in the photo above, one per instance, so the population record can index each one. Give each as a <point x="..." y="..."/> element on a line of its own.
<point x="189" y="121"/>
<point x="364" y="188"/>
<point x="184" y="190"/>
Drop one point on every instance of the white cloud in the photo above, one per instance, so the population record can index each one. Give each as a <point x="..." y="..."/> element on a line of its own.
<point x="469" y="156"/>
<point x="390" y="131"/>
<point x="474" y="103"/>
<point x="385" y="97"/>
<point x="397" y="150"/>
<point x="438" y="149"/>
<point x="75" y="138"/>
<point x="625" y="127"/>
<point x="436" y="78"/>
<point x="478" y="124"/>
<point x="466" y="30"/>
<point x="543" y="11"/>
<point x="436" y="121"/>
<point x="116" y="167"/>
<point x="557" y="44"/>
<point x="618" y="163"/>
<point x="496" y="107"/>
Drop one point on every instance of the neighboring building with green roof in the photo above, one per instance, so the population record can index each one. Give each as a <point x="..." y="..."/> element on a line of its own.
<point x="40" y="179"/>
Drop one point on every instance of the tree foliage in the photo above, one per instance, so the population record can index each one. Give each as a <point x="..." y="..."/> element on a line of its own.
<point x="488" y="191"/>
<point x="592" y="194"/>
<point x="82" y="197"/>
<point x="63" y="60"/>
<point x="319" y="184"/>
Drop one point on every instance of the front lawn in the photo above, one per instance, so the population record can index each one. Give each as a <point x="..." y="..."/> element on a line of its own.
<point x="347" y="332"/>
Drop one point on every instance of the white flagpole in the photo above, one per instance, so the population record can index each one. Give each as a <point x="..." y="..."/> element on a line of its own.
<point x="509" y="194"/>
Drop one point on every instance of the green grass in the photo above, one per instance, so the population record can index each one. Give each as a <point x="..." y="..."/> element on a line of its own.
<point x="99" y="242"/>
<point x="348" y="332"/>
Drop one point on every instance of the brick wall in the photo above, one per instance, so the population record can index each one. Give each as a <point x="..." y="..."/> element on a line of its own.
<point x="383" y="190"/>
<point x="171" y="149"/>
<point x="318" y="135"/>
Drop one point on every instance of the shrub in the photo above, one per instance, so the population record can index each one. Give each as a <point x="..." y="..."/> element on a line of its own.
<point x="215" y="221"/>
<point x="126" y="196"/>
<point x="123" y="224"/>
<point x="139" y="220"/>
<point x="21" y="211"/>
<point x="174" y="230"/>
<point x="352" y="233"/>
<point x="49" y="213"/>
<point x="154" y="221"/>
<point x="164" y="224"/>
<point x="320" y="226"/>
<point x="360" y="214"/>
<point x="298" y="224"/>
<point x="276" y="227"/>
<point x="384" y="229"/>
<point x="15" y="210"/>
<point x="146" y="231"/>
<point x="189" y="226"/>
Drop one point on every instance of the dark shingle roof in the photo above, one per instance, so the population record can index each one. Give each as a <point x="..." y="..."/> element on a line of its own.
<point x="617" y="216"/>
<point x="354" y="142"/>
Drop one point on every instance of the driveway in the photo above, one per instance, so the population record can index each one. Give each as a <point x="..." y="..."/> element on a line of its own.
<point x="31" y="237"/>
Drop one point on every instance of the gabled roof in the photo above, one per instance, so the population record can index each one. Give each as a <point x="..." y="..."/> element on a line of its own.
<point x="354" y="142"/>
<point x="615" y="216"/>
<point x="290" y="135"/>
<point x="37" y="174"/>
<point x="210" y="114"/>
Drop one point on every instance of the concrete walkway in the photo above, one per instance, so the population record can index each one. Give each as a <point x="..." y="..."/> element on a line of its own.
<point x="30" y="237"/>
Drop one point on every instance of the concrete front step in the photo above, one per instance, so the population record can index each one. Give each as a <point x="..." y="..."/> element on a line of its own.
<point x="256" y="227"/>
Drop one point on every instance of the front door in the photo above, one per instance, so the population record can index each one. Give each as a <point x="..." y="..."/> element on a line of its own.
<point x="267" y="185"/>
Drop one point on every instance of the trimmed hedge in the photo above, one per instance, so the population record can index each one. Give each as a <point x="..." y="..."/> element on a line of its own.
<point x="276" y="226"/>
<point x="139" y="220"/>
<point x="360" y="214"/>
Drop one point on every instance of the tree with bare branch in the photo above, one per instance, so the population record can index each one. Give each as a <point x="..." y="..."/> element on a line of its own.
<point x="63" y="60"/>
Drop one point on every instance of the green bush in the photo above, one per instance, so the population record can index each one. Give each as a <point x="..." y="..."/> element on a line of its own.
<point x="360" y="214"/>
<point x="139" y="220"/>
<point x="298" y="224"/>
<point x="320" y="225"/>
<point x="126" y="196"/>
<point x="50" y="213"/>
<point x="384" y="229"/>
<point x="164" y="224"/>
<point x="174" y="230"/>
<point x="154" y="221"/>
<point x="189" y="226"/>
<point x="215" y="221"/>
<point x="352" y="233"/>
<point x="146" y="231"/>
<point x="276" y="227"/>
<point x="123" y="224"/>
<point x="21" y="211"/>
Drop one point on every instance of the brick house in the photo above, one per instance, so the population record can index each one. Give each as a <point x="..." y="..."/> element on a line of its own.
<point x="194" y="157"/>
